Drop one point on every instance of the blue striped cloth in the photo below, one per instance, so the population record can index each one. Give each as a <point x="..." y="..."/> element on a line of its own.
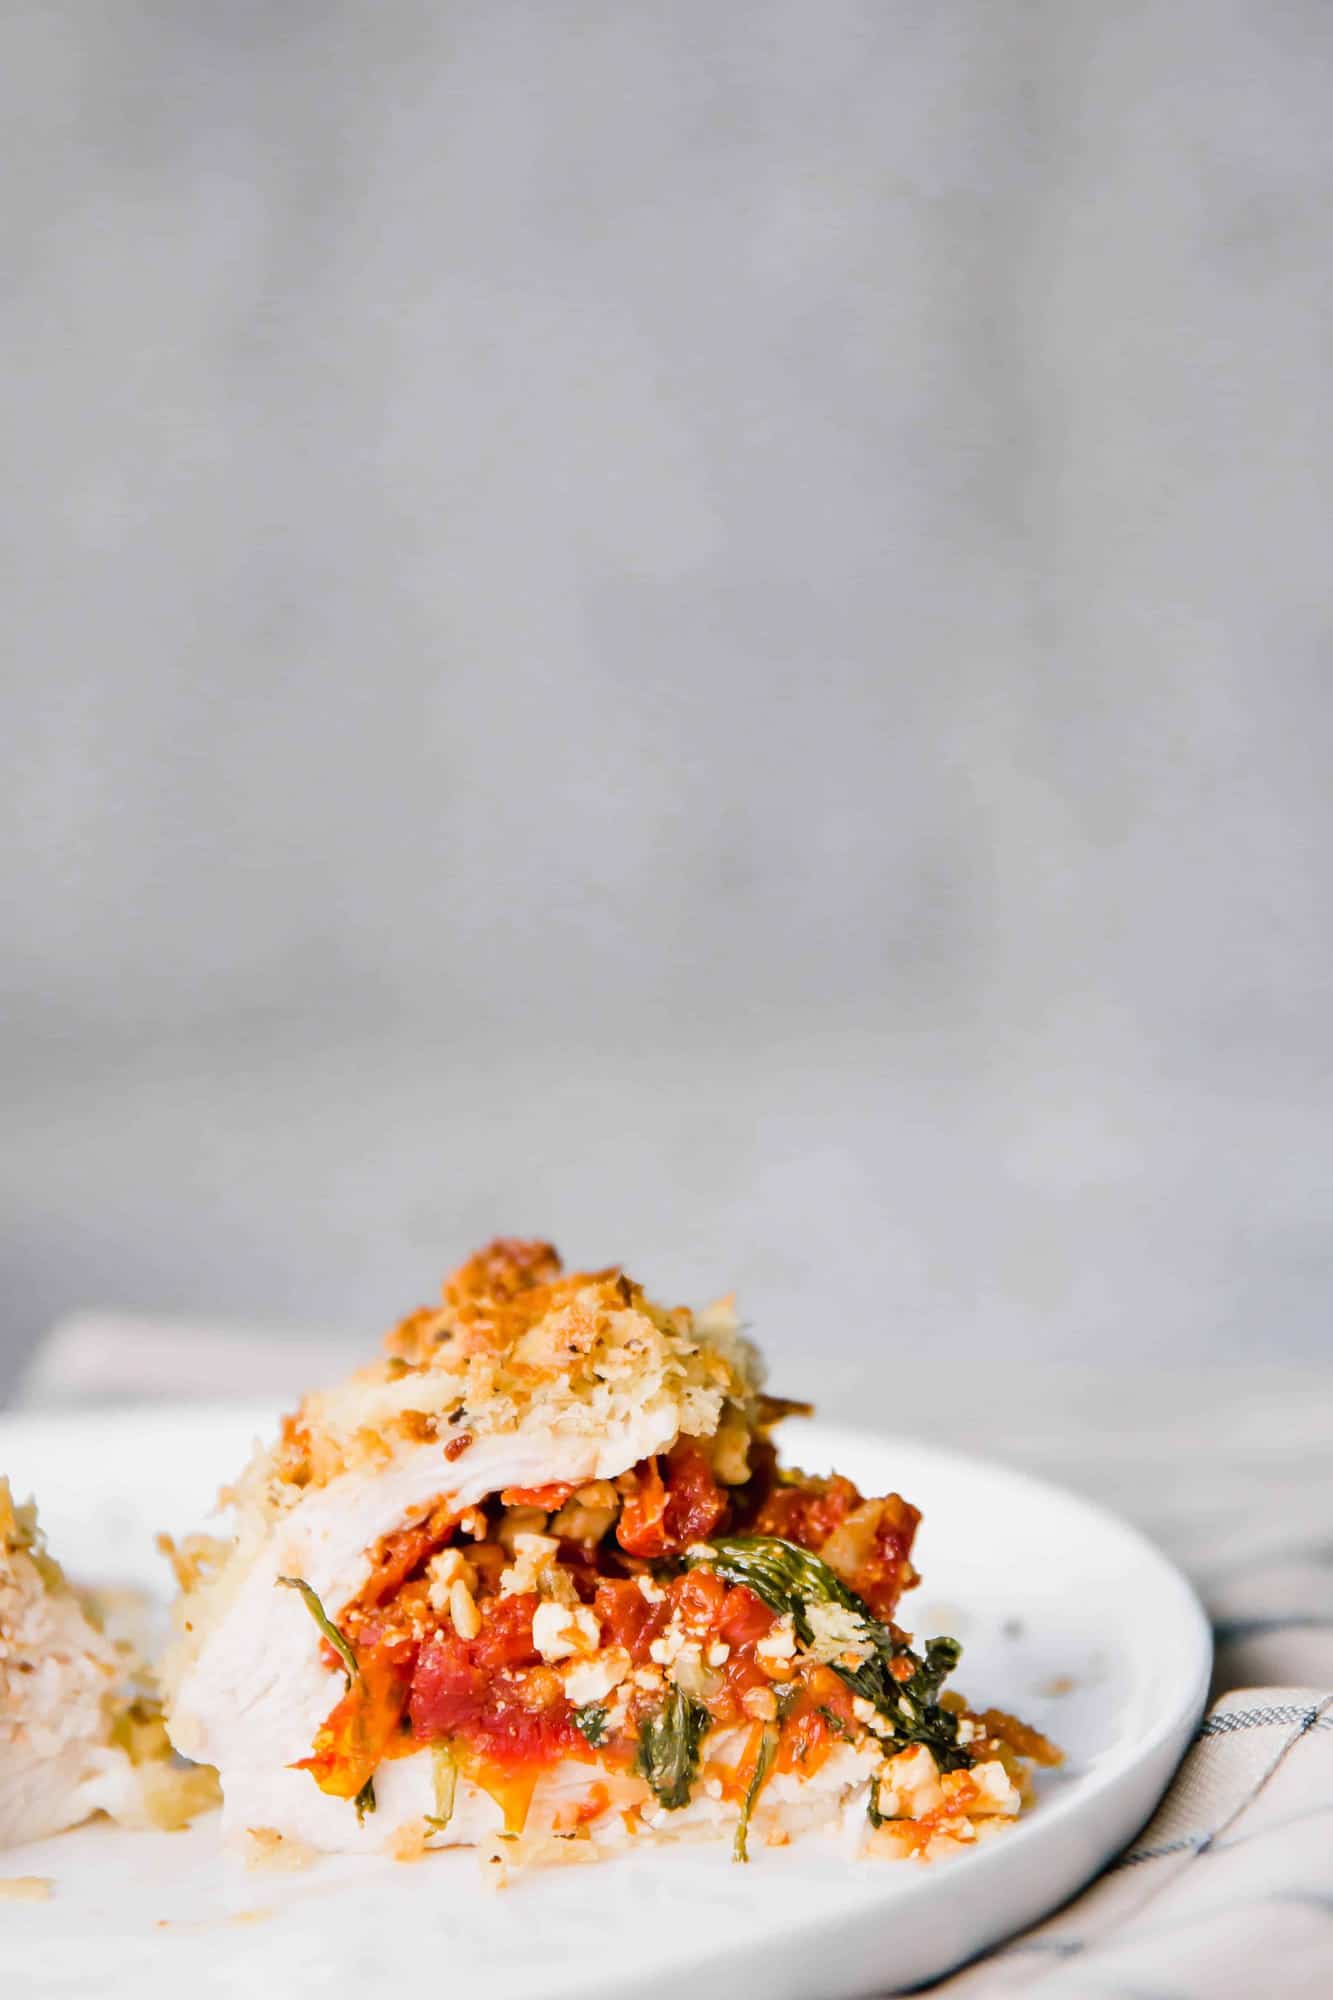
<point x="1226" y="1895"/>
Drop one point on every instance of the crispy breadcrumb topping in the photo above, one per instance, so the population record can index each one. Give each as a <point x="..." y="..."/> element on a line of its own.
<point x="517" y="1343"/>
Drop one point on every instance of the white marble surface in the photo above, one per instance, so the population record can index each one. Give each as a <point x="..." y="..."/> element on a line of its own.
<point x="703" y="629"/>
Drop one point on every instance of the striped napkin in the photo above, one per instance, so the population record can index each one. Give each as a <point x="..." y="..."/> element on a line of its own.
<point x="1229" y="1890"/>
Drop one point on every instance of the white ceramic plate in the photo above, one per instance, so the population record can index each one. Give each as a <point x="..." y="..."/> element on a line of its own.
<point x="1067" y="1617"/>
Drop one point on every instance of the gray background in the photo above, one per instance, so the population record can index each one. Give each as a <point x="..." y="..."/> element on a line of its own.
<point x="704" y="629"/>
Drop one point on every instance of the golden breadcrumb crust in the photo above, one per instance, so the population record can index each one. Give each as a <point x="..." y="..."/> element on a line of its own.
<point x="518" y="1343"/>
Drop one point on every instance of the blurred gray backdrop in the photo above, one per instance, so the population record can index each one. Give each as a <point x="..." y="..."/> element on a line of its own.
<point x="704" y="629"/>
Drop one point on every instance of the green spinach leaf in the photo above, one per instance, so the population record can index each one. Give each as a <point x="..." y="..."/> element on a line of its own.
<point x="310" y="1598"/>
<point x="768" y="1750"/>
<point x="668" y="1753"/>
<point x="590" y="1721"/>
<point x="788" y="1578"/>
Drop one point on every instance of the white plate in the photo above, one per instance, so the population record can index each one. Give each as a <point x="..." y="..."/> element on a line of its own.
<point x="1067" y="1617"/>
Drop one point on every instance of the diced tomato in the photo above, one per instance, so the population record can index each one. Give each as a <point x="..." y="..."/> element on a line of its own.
<point x="828" y="1691"/>
<point x="505" y="1638"/>
<point x="505" y="1710"/>
<point x="398" y="1555"/>
<point x="817" y="1720"/>
<point x="745" y="1617"/>
<point x="456" y="1678"/>
<point x="696" y="1504"/>
<point x="662" y="1516"/>
<point x="546" y="1497"/>
<point x="492" y="1691"/>
<point x="699" y="1596"/>
<point x="886" y="1570"/>
<point x="709" y="1610"/>
<point x="641" y="1528"/>
<point x="807" y="1515"/>
<point x="627" y="1618"/>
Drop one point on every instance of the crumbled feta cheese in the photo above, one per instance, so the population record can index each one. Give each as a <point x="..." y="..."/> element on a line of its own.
<point x="591" y="1680"/>
<point x="909" y="1785"/>
<point x="675" y="1646"/>
<point x="760" y="1702"/>
<point x="559" y="1630"/>
<point x="588" y="1513"/>
<point x="718" y="1653"/>
<point x="516" y="1521"/>
<point x="537" y="1549"/>
<point x="996" y="1792"/>
<point x="777" y="1648"/>
<point x="535" y="1568"/>
<point x="653" y="1592"/>
<point x="463" y="1610"/>
<point x="446" y="1569"/>
<point x="869" y="1716"/>
<point x="835" y="1631"/>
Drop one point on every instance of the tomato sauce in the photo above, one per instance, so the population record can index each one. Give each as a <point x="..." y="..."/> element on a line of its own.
<point x="503" y="1708"/>
<point x="365" y="1726"/>
<point x="493" y="1692"/>
<point x="627" y="1618"/>
<point x="663" y="1513"/>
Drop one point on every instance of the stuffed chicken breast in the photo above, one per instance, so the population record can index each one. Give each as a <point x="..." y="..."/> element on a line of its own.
<point x="536" y="1574"/>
